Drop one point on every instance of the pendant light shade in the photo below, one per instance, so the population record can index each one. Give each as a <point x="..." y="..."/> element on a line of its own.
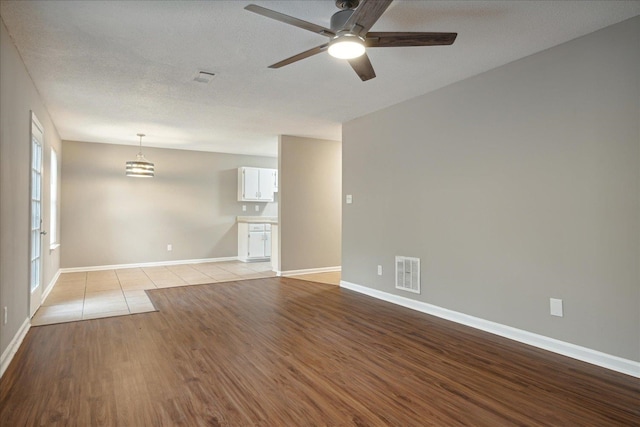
<point x="140" y="167"/>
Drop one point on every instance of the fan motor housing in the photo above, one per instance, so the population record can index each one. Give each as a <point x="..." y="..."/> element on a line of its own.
<point x="340" y="18"/>
<point x="347" y="4"/>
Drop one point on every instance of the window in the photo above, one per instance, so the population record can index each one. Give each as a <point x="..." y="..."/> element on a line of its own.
<point x="53" y="226"/>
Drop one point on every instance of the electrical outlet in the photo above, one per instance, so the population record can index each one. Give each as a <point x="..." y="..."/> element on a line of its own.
<point x="349" y="199"/>
<point x="555" y="306"/>
<point x="5" y="316"/>
<point x="169" y="247"/>
<point x="244" y="208"/>
<point x="379" y="270"/>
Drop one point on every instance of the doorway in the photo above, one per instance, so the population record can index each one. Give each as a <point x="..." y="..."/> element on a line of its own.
<point x="36" y="232"/>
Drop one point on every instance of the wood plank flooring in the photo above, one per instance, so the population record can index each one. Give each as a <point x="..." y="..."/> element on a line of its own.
<point x="285" y="352"/>
<point x="330" y="277"/>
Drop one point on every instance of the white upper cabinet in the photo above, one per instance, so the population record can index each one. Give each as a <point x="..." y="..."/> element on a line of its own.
<point x="256" y="184"/>
<point x="250" y="179"/>
<point x="266" y="184"/>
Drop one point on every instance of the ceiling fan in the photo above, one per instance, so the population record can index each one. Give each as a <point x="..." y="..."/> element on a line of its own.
<point x="350" y="36"/>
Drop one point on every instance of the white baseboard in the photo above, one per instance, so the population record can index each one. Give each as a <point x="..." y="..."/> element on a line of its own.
<point x="14" y="345"/>
<point x="249" y="261"/>
<point x="309" y="271"/>
<point x="584" y="354"/>
<point x="146" y="264"/>
<point x="49" y="287"/>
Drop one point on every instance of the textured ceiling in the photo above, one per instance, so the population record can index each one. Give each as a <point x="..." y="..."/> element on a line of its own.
<point x="108" y="70"/>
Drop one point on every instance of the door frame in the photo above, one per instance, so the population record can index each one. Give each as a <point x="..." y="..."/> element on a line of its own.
<point x="36" y="133"/>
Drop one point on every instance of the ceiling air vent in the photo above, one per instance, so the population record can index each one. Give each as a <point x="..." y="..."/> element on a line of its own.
<point x="203" y="77"/>
<point x="408" y="274"/>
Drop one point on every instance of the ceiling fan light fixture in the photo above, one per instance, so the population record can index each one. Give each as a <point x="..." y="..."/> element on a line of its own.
<point x="349" y="34"/>
<point x="346" y="46"/>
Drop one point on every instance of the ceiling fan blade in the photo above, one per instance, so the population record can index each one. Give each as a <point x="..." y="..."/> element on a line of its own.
<point x="366" y="15"/>
<point x="399" y="39"/>
<point x="362" y="66"/>
<point x="303" y="55"/>
<point x="290" y="20"/>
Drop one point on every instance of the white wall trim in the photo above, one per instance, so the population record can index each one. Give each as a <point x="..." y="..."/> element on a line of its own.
<point x="13" y="346"/>
<point x="146" y="264"/>
<point x="309" y="271"/>
<point x="49" y="287"/>
<point x="584" y="354"/>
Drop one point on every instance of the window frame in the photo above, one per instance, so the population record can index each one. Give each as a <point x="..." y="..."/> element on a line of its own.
<point x="54" y="180"/>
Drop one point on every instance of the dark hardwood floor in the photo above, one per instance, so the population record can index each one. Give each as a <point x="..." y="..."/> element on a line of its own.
<point x="283" y="352"/>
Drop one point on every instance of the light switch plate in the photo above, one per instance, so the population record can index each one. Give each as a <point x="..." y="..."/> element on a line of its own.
<point x="556" y="307"/>
<point x="244" y="208"/>
<point x="349" y="199"/>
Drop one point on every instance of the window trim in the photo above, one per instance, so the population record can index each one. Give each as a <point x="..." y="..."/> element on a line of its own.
<point x="54" y="197"/>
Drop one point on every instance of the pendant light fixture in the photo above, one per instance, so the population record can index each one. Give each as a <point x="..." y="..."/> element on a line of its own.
<point x="140" y="167"/>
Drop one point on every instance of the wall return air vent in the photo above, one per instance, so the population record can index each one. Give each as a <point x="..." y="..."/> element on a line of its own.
<point x="408" y="274"/>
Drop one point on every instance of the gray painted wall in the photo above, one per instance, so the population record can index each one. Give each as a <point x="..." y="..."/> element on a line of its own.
<point x="191" y="203"/>
<point x="514" y="186"/>
<point x="310" y="182"/>
<point x="19" y="97"/>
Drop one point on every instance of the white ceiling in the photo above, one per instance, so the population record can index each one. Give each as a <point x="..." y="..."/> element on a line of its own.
<point x="108" y="70"/>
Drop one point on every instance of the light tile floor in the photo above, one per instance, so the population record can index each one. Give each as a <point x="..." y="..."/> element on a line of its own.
<point x="107" y="293"/>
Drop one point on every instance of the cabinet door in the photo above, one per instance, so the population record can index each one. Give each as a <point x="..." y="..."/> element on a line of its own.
<point x="266" y="184"/>
<point x="267" y="244"/>
<point x="275" y="180"/>
<point x="256" y="244"/>
<point x="251" y="184"/>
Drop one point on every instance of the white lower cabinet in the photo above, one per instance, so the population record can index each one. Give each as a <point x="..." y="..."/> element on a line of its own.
<point x="254" y="242"/>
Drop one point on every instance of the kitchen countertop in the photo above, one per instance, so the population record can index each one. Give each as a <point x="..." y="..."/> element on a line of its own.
<point x="258" y="219"/>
